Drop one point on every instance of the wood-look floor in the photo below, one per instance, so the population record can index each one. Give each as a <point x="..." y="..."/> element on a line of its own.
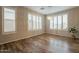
<point x="45" y="43"/>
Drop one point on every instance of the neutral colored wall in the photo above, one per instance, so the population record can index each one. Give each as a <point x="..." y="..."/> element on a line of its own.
<point x="73" y="20"/>
<point x="21" y="26"/>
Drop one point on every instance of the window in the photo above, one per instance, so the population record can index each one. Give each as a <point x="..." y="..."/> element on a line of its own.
<point x="65" y="21"/>
<point x="51" y="23"/>
<point x="40" y="23"/>
<point x="55" y="22"/>
<point x="30" y="22"/>
<point x="8" y="20"/>
<point x="59" y="22"/>
<point x="37" y="22"/>
<point x="34" y="22"/>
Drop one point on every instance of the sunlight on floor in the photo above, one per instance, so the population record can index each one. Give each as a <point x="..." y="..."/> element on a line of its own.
<point x="58" y="45"/>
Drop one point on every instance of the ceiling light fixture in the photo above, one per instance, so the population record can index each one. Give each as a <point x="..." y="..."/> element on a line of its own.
<point x="49" y="6"/>
<point x="42" y="8"/>
<point x="49" y="17"/>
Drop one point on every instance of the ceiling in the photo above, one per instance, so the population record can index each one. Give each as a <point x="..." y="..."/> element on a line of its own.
<point x="49" y="9"/>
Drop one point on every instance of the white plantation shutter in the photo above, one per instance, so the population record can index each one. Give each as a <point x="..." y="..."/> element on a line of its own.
<point x="59" y="22"/>
<point x="51" y="24"/>
<point x="9" y="20"/>
<point x="65" y="21"/>
<point x="30" y="21"/>
<point x="37" y="22"/>
<point x="55" y="22"/>
<point x="34" y="22"/>
<point x="40" y="23"/>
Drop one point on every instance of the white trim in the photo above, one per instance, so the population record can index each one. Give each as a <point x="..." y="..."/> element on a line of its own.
<point x="20" y="39"/>
<point x="4" y="33"/>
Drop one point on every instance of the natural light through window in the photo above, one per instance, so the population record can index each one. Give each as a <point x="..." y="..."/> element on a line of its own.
<point x="34" y="22"/>
<point x="30" y="22"/>
<point x="55" y="22"/>
<point x="59" y="22"/>
<point x="9" y="20"/>
<point x="65" y="21"/>
<point x="51" y="23"/>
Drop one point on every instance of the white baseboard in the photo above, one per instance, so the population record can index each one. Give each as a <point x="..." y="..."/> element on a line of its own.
<point x="20" y="38"/>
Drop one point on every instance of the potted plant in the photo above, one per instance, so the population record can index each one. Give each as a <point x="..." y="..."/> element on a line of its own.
<point x="73" y="31"/>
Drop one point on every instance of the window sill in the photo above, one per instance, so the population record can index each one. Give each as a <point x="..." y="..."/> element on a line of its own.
<point x="7" y="33"/>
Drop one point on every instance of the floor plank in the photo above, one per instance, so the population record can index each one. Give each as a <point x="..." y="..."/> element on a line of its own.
<point x="45" y="43"/>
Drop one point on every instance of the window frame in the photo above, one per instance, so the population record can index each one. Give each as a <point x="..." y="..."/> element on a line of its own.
<point x="61" y="15"/>
<point x="40" y="22"/>
<point x="55" y="25"/>
<point x="67" y="22"/>
<point x="51" y="26"/>
<point x="61" y="22"/>
<point x="37" y="23"/>
<point x="30" y="20"/>
<point x="11" y="32"/>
